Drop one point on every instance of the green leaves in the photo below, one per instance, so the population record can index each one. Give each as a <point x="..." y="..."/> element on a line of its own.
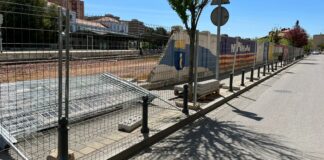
<point x="181" y="7"/>
<point x="188" y="9"/>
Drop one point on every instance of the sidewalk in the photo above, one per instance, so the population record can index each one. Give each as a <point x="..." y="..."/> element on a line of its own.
<point x="254" y="125"/>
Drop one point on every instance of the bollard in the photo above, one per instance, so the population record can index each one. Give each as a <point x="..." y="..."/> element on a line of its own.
<point x="63" y="151"/>
<point x="264" y="69"/>
<point x="252" y="74"/>
<point x="276" y="67"/>
<point x="272" y="69"/>
<point x="259" y="72"/>
<point x="231" y="83"/>
<point x="268" y="68"/>
<point x="185" y="109"/>
<point x="242" y="80"/>
<point x="145" y="128"/>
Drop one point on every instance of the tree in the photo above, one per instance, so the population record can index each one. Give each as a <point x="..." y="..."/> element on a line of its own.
<point x="29" y="23"/>
<point x="274" y="36"/>
<point x="161" y="31"/>
<point x="297" y="36"/>
<point x="321" y="47"/>
<point x="309" y="46"/>
<point x="189" y="12"/>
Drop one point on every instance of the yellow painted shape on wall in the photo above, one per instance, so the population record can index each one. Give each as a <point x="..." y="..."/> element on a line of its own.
<point x="271" y="50"/>
<point x="180" y="44"/>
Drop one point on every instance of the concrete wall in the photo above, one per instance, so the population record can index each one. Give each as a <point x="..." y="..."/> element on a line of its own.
<point x="249" y="52"/>
<point x="179" y="42"/>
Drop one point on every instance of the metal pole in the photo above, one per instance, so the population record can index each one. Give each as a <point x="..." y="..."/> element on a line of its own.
<point x="60" y="66"/>
<point x="62" y="128"/>
<point x="235" y="53"/>
<point x="256" y="53"/>
<point x="272" y="69"/>
<point x="259" y="72"/>
<point x="63" y="152"/>
<point x="218" y="52"/>
<point x="231" y="83"/>
<point x="264" y="69"/>
<point x="145" y="128"/>
<point x="252" y="74"/>
<point x="196" y="68"/>
<point x="242" y="80"/>
<point x="185" y="109"/>
<point x="67" y="63"/>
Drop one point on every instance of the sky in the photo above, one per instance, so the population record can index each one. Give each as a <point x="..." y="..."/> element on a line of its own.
<point x="248" y="18"/>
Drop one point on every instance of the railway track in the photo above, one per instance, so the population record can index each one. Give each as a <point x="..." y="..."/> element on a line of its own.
<point x="109" y="58"/>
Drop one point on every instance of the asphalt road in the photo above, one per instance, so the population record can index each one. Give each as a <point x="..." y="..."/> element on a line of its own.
<point x="282" y="118"/>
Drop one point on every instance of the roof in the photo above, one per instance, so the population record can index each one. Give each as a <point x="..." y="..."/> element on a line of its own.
<point x="107" y="19"/>
<point x="90" y="23"/>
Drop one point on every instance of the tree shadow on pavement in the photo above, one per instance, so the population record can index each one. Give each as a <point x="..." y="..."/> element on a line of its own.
<point x="245" y="113"/>
<point x="212" y="139"/>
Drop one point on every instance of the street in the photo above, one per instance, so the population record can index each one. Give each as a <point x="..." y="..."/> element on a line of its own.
<point x="281" y="118"/>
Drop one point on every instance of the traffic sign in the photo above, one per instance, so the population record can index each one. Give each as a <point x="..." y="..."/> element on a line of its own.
<point x="224" y="16"/>
<point x="215" y="2"/>
<point x="1" y="19"/>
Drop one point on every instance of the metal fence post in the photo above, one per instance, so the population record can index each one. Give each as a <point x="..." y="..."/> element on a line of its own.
<point x="264" y="69"/>
<point x="268" y="68"/>
<point x="63" y="151"/>
<point x="252" y="74"/>
<point x="185" y="109"/>
<point x="259" y="72"/>
<point x="231" y="83"/>
<point x="62" y="121"/>
<point x="242" y="80"/>
<point x="145" y="128"/>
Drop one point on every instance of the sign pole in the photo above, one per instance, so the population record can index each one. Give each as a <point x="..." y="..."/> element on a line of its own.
<point x="256" y="54"/>
<point x="235" y="53"/>
<point x="218" y="51"/>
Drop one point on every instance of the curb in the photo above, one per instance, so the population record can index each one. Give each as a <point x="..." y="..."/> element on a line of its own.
<point x="133" y="150"/>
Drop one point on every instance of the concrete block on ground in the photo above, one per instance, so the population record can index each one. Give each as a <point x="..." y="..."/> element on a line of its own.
<point x="54" y="155"/>
<point x="204" y="88"/>
<point x="130" y="124"/>
<point x="190" y="105"/>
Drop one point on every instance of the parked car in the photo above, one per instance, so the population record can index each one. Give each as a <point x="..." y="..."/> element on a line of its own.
<point x="316" y="52"/>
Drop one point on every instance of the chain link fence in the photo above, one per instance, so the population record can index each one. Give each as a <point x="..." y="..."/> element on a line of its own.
<point x="78" y="84"/>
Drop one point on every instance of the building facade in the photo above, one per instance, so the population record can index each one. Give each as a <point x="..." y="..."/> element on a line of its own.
<point x="318" y="40"/>
<point x="113" y="23"/>
<point x="75" y="5"/>
<point x="136" y="27"/>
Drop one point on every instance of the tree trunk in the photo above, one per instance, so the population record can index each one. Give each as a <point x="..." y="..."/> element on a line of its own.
<point x="192" y="36"/>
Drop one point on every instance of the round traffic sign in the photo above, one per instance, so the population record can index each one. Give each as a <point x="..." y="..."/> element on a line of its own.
<point x="223" y="17"/>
